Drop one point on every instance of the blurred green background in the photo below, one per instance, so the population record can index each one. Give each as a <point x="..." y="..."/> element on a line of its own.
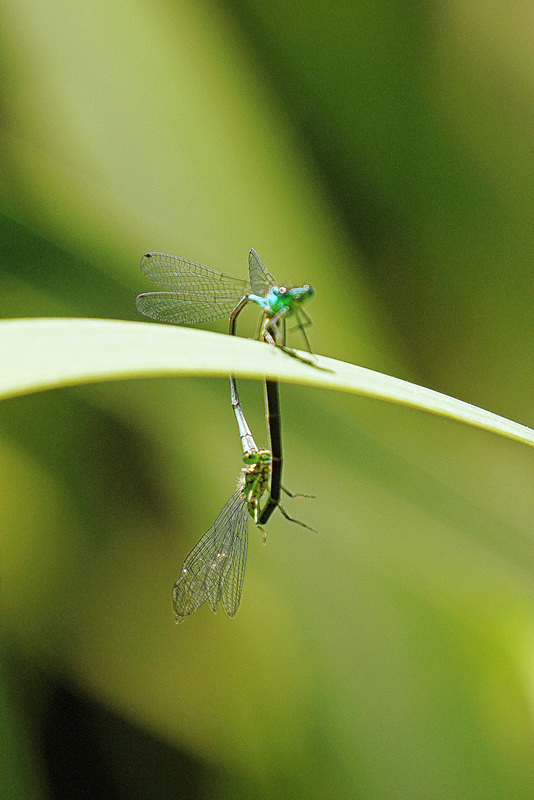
<point x="384" y="153"/>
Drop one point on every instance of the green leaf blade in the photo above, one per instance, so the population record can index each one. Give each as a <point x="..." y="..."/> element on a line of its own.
<point x="41" y="354"/>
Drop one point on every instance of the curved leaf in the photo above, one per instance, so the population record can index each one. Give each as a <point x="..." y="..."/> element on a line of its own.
<point x="42" y="354"/>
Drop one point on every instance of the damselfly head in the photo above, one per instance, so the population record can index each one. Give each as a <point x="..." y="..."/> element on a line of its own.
<point x="257" y="457"/>
<point x="300" y="293"/>
<point x="297" y="293"/>
<point x="265" y="457"/>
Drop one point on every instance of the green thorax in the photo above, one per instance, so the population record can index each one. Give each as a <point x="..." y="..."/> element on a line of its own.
<point x="254" y="479"/>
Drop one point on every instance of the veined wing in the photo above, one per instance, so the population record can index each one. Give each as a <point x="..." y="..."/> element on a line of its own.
<point x="215" y="569"/>
<point x="184" y="309"/>
<point x="176" y="274"/>
<point x="261" y="279"/>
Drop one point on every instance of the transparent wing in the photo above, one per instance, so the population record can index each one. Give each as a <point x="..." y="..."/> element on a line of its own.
<point x="261" y="279"/>
<point x="194" y="293"/>
<point x="183" y="310"/>
<point x="214" y="570"/>
<point x="232" y="585"/>
<point x="180" y="275"/>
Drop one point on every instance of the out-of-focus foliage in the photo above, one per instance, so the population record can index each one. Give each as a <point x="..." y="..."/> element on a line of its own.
<point x="382" y="153"/>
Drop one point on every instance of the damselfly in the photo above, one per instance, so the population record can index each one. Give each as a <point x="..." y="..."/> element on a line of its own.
<point x="195" y="293"/>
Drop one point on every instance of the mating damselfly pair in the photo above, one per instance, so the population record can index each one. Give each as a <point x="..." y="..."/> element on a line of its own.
<point x="214" y="570"/>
